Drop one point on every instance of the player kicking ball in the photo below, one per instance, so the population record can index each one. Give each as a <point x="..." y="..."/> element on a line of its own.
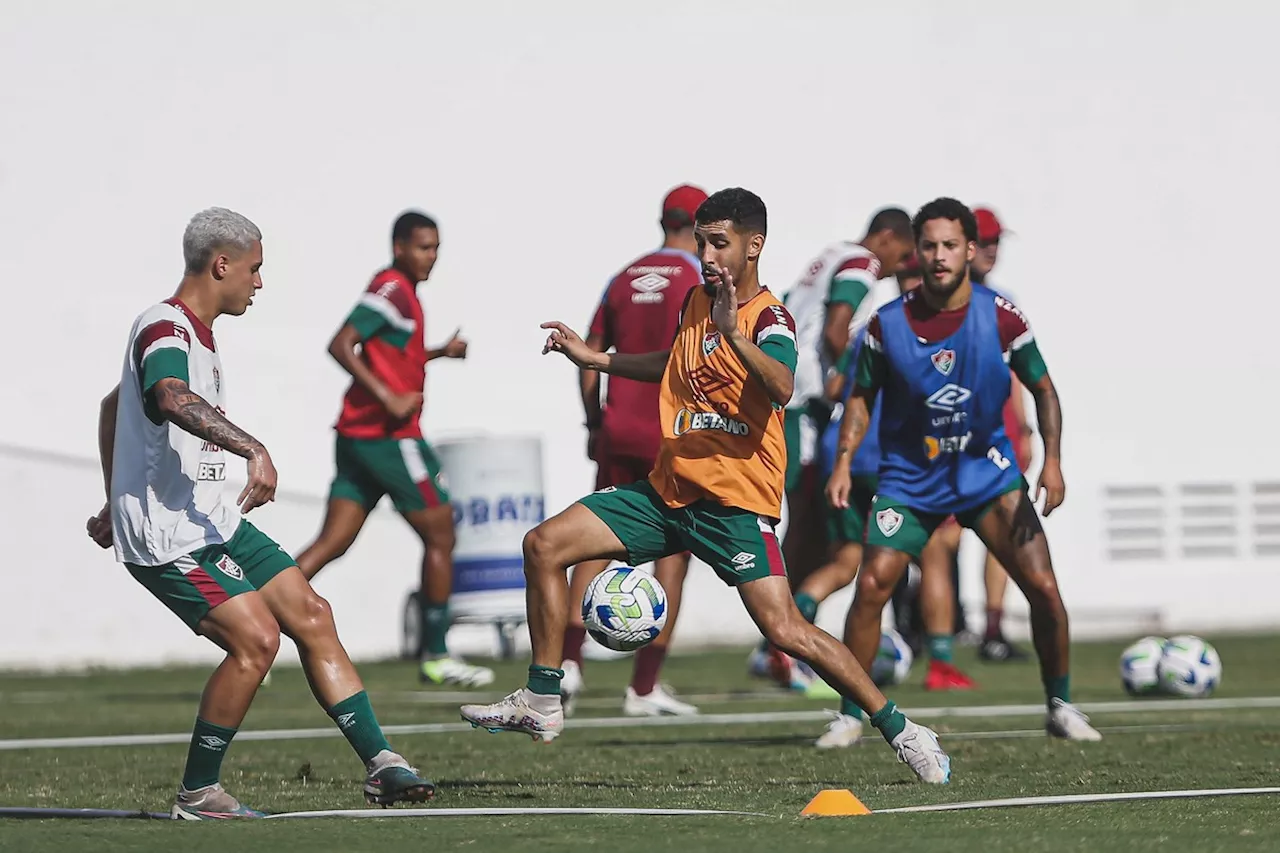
<point x="715" y="490"/>
<point x="940" y="359"/>
<point x="164" y="440"/>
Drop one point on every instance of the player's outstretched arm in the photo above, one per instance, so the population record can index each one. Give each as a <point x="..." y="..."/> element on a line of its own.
<point x="192" y="413"/>
<point x="646" y="367"/>
<point x="1049" y="416"/>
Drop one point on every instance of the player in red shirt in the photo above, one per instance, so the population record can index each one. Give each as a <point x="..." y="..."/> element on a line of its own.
<point x="639" y="313"/>
<point x="994" y="646"/>
<point x="380" y="449"/>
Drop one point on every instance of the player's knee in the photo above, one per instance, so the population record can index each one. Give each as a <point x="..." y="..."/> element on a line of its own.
<point x="873" y="589"/>
<point x="789" y="634"/>
<point x="1041" y="590"/>
<point x="541" y="549"/>
<point x="313" y="618"/>
<point x="256" y="646"/>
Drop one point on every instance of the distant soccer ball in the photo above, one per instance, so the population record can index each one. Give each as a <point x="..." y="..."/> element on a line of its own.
<point x="1189" y="666"/>
<point x="893" y="659"/>
<point x="624" y="609"/>
<point x="1139" y="666"/>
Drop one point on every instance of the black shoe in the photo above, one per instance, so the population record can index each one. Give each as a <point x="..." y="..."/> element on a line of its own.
<point x="1000" y="650"/>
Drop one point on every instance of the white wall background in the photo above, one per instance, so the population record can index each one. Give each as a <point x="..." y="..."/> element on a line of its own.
<point x="1130" y="146"/>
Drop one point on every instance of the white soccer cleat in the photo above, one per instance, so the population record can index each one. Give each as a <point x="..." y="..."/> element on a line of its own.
<point x="918" y="748"/>
<point x="540" y="717"/>
<point x="842" y="731"/>
<point x="451" y="671"/>
<point x="1068" y="722"/>
<point x="571" y="686"/>
<point x="658" y="703"/>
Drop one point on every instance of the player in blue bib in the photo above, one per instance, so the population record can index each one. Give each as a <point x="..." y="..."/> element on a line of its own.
<point x="939" y="359"/>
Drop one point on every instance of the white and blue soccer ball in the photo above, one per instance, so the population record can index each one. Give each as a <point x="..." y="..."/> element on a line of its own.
<point x="1140" y="664"/>
<point x="893" y="660"/>
<point x="1189" y="666"/>
<point x="624" y="609"/>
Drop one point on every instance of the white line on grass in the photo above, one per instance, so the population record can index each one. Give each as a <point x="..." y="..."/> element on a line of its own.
<point x="1067" y="799"/>
<point x="379" y="813"/>
<point x="661" y="722"/>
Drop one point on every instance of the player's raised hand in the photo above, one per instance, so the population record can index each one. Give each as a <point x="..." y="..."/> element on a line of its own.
<point x="99" y="527"/>
<point x="404" y="406"/>
<point x="566" y="340"/>
<point x="261" y="488"/>
<point x="724" y="310"/>
<point x="1051" y="486"/>
<point x="838" y="487"/>
<point x="455" y="347"/>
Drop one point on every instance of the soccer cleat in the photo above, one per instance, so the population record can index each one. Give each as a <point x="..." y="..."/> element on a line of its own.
<point x="209" y="803"/>
<point x="819" y="689"/>
<point x="918" y="748"/>
<point x="540" y="717"/>
<point x="999" y="650"/>
<point x="789" y="672"/>
<point x="571" y="686"/>
<point x="657" y="703"/>
<point x="443" y="671"/>
<point x="842" y="731"/>
<point x="391" y="780"/>
<point x="944" y="676"/>
<point x="1068" y="722"/>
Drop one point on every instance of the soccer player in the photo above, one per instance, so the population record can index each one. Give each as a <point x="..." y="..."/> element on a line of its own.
<point x="638" y="314"/>
<point x="824" y="301"/>
<point x="716" y="489"/>
<point x="379" y="448"/>
<point x="994" y="646"/>
<point x="164" y="438"/>
<point x="939" y="357"/>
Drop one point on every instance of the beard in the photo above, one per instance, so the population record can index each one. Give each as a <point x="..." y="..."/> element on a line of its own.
<point x="942" y="288"/>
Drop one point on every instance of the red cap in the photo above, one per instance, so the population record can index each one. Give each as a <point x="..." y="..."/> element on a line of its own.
<point x="989" y="227"/>
<point x="686" y="199"/>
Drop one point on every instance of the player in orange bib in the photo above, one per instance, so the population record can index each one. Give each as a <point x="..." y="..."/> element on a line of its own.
<point x="715" y="490"/>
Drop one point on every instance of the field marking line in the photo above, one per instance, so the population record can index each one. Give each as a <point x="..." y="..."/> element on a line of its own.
<point x="745" y="718"/>
<point x="1067" y="799"/>
<point x="502" y="812"/>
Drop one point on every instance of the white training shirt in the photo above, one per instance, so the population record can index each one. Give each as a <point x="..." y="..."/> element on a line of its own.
<point x="167" y="484"/>
<point x="839" y="263"/>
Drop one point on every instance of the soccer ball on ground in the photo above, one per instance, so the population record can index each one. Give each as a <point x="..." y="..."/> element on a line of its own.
<point x="1139" y="666"/>
<point x="1189" y="666"/>
<point x="893" y="659"/>
<point x="624" y="609"/>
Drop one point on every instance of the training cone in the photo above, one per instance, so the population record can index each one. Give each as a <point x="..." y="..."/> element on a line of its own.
<point x="834" y="802"/>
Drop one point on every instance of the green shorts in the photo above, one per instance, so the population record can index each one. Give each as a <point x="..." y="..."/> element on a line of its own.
<point x="902" y="528"/>
<point x="404" y="468"/>
<point x="195" y="583"/>
<point x="739" y="545"/>
<point x="849" y="524"/>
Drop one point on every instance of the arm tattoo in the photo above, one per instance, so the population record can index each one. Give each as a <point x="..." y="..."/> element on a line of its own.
<point x="192" y="413"/>
<point x="852" y="430"/>
<point x="1049" y="415"/>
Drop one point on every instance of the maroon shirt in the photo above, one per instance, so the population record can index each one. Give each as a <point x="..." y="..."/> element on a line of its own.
<point x="640" y="313"/>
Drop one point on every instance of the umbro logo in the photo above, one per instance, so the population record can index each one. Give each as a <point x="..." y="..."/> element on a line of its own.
<point x="345" y="721"/>
<point x="212" y="742"/>
<point x="650" y="283"/>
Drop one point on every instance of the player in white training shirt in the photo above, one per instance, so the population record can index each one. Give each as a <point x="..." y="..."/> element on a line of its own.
<point x="165" y="442"/>
<point x="827" y="302"/>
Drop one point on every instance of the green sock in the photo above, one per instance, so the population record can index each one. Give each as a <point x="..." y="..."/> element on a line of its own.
<point x="940" y="647"/>
<point x="209" y="744"/>
<point x="435" y="627"/>
<point x="354" y="716"/>
<point x="1057" y="688"/>
<point x="808" y="606"/>
<point x="545" y="680"/>
<point x="889" y="721"/>
<point x="850" y="708"/>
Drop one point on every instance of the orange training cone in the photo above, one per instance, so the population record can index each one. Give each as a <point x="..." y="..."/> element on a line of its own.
<point x="835" y="802"/>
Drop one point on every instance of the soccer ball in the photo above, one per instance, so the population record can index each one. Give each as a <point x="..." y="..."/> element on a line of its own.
<point x="1139" y="664"/>
<point x="893" y="660"/>
<point x="1189" y="666"/>
<point x="624" y="609"/>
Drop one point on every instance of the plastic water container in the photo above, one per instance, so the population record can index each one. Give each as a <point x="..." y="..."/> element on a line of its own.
<point x="495" y="485"/>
